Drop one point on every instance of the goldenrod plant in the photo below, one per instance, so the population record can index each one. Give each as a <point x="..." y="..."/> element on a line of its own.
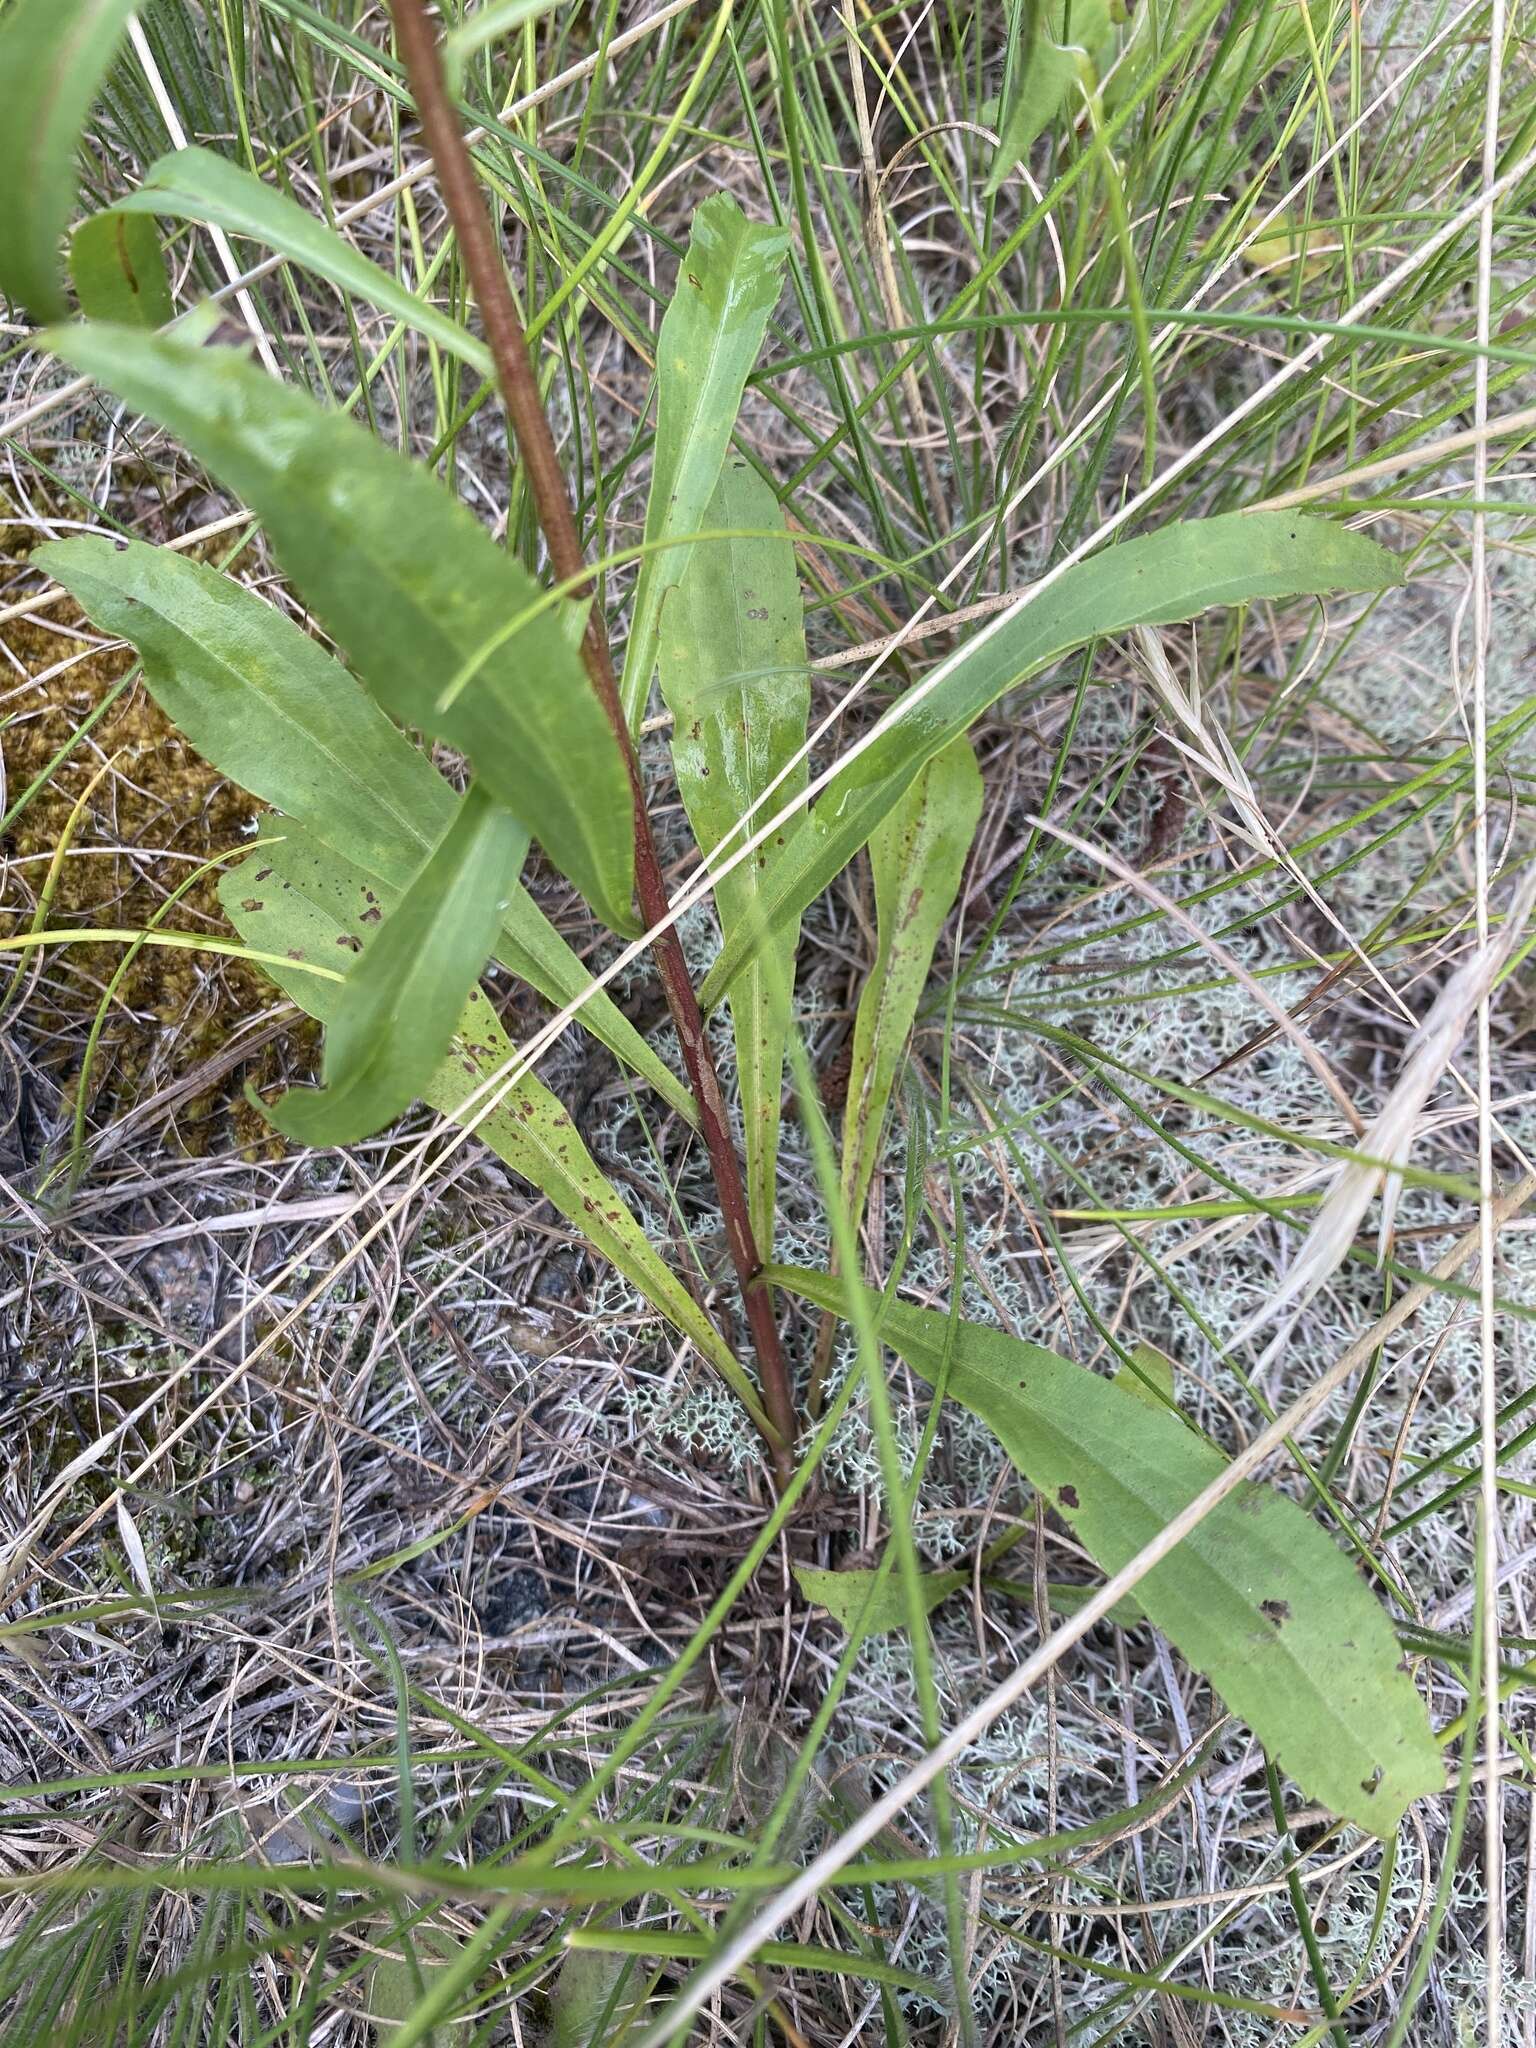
<point x="516" y="749"/>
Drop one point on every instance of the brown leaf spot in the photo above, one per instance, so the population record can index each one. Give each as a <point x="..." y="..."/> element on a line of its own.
<point x="1068" y="1497"/>
<point x="1277" y="1611"/>
<point x="251" y="903"/>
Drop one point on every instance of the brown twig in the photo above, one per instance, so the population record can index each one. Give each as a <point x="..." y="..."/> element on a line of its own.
<point x="546" y="481"/>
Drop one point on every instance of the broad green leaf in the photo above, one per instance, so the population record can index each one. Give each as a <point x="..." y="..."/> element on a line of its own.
<point x="586" y="1993"/>
<point x="398" y="1984"/>
<point x="261" y="700"/>
<point x="917" y="854"/>
<point x="198" y="185"/>
<point x="298" y="900"/>
<point x="409" y="583"/>
<point x="728" y="284"/>
<point x="843" y="1594"/>
<point x="734" y="675"/>
<point x="1074" y="41"/>
<point x="1257" y="1597"/>
<point x="400" y="1005"/>
<point x="118" y="269"/>
<point x="1149" y="1376"/>
<point x="278" y="715"/>
<point x="54" y="55"/>
<point x="1173" y="574"/>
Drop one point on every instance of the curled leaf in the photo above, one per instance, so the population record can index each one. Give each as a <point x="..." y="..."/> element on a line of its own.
<point x="727" y="284"/>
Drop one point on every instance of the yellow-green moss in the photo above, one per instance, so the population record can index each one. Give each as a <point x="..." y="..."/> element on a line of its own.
<point x="175" y="1010"/>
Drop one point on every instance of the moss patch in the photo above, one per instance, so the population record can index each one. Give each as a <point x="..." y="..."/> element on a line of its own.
<point x="157" y="811"/>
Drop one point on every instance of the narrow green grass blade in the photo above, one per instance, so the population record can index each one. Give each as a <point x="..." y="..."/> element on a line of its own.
<point x="400" y="1005"/>
<point x="787" y="1955"/>
<point x="710" y="336"/>
<point x="500" y="18"/>
<point x="1173" y="574"/>
<point x="733" y="672"/>
<point x="1257" y="1596"/>
<point x="277" y="714"/>
<point x="917" y="855"/>
<point x="197" y="185"/>
<point x="306" y="903"/>
<point x="54" y="55"/>
<point x="534" y="951"/>
<point x="118" y="268"/>
<point x="409" y="583"/>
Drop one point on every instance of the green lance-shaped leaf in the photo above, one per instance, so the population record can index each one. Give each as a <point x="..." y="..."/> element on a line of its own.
<point x="730" y="279"/>
<point x="118" y="269"/>
<point x="1065" y="56"/>
<point x="274" y="712"/>
<point x="54" y="55"/>
<point x="734" y="676"/>
<point x="844" y="1593"/>
<point x="409" y="583"/>
<point x="1173" y="574"/>
<point x="1257" y="1596"/>
<point x="400" y="1005"/>
<point x="298" y="900"/>
<point x="917" y="854"/>
<point x="399" y="1984"/>
<point x="198" y="185"/>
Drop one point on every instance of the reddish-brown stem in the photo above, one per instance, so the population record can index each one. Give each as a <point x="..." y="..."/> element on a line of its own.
<point x="551" y="498"/>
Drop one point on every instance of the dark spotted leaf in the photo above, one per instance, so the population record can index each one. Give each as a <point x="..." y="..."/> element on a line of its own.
<point x="274" y="712"/>
<point x="297" y="900"/>
<point x="917" y="855"/>
<point x="734" y="676"/>
<point x="395" y="1018"/>
<point x="1257" y="1597"/>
